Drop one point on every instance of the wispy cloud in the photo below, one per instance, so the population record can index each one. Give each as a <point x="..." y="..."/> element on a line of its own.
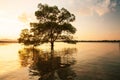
<point x="102" y="7"/>
<point x="88" y="7"/>
<point x="23" y="17"/>
<point x="26" y="18"/>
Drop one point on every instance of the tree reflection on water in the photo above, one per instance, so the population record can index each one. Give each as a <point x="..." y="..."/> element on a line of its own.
<point x="46" y="66"/>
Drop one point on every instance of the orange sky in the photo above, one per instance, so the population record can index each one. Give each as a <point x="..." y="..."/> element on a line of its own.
<point x="97" y="20"/>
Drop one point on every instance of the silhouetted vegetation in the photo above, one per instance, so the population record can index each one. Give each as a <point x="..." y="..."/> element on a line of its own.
<point x="97" y="40"/>
<point x="8" y="41"/>
<point x="53" y="24"/>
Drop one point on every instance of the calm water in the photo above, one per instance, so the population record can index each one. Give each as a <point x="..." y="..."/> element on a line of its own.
<point x="82" y="61"/>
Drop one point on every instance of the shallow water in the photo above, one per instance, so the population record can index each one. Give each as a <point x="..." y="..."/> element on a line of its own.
<point x="92" y="61"/>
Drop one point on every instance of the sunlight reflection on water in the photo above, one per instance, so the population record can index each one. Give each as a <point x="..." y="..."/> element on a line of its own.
<point x="94" y="61"/>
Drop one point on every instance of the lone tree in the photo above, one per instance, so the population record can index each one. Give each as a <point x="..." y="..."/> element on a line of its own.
<point x="53" y="25"/>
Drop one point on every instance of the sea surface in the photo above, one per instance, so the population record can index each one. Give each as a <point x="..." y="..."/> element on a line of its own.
<point x="81" y="61"/>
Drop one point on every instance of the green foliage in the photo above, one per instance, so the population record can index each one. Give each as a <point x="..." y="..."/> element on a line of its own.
<point x="54" y="24"/>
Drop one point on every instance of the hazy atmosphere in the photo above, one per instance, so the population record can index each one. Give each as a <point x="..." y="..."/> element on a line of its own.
<point x="59" y="39"/>
<point x="95" y="19"/>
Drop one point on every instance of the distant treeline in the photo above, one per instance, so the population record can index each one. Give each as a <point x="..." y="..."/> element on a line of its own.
<point x="8" y="41"/>
<point x="99" y="41"/>
<point x="96" y="40"/>
<point x="71" y="41"/>
<point x="76" y="41"/>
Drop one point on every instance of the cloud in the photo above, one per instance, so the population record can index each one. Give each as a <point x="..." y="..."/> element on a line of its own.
<point x="88" y="7"/>
<point x="23" y="17"/>
<point x="26" y="18"/>
<point x="102" y="7"/>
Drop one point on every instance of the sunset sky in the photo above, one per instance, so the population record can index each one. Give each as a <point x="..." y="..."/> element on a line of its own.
<point x="95" y="19"/>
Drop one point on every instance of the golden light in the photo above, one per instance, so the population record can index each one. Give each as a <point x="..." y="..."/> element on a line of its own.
<point x="10" y="28"/>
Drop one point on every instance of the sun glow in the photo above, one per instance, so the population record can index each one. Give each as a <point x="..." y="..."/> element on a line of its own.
<point x="96" y="20"/>
<point x="10" y="28"/>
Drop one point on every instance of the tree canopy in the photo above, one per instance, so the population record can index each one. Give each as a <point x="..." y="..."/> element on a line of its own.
<point x="53" y="24"/>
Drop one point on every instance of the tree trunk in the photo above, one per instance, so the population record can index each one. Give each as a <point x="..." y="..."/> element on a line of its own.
<point x="52" y="46"/>
<point x="33" y="57"/>
<point x="52" y="49"/>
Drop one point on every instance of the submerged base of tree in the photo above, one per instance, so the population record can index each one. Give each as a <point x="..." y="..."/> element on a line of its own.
<point x="53" y="24"/>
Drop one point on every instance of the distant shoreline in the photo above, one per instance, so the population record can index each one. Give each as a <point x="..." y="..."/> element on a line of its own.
<point x="99" y="41"/>
<point x="8" y="41"/>
<point x="76" y="41"/>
